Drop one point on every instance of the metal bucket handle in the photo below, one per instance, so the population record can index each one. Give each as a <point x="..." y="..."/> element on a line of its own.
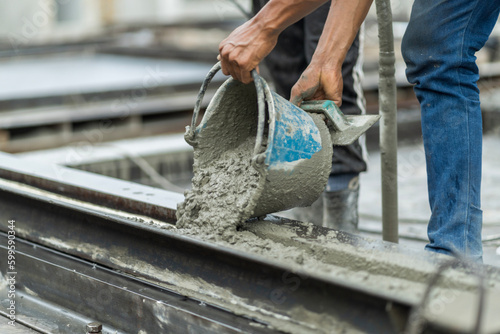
<point x="259" y="82"/>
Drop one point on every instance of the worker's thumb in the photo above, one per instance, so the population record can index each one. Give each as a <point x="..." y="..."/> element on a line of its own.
<point x="300" y="94"/>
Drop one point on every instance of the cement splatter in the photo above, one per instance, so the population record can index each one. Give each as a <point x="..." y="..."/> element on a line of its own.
<point x="222" y="198"/>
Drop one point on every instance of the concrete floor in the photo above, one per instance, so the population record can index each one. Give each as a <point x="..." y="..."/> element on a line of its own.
<point x="414" y="209"/>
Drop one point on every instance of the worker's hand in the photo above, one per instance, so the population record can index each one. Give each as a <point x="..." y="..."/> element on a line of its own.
<point x="318" y="82"/>
<point x="244" y="49"/>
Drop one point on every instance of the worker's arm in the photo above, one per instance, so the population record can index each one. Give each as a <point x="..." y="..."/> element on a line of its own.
<point x="248" y="44"/>
<point x="322" y="79"/>
<point x="245" y="47"/>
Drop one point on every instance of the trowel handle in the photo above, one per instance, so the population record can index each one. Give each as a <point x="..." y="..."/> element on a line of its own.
<point x="331" y="111"/>
<point x="346" y="128"/>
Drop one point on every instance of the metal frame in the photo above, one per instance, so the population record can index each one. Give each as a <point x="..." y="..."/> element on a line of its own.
<point x="160" y="256"/>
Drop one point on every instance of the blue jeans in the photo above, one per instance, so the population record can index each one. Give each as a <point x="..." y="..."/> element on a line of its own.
<point x="439" y="49"/>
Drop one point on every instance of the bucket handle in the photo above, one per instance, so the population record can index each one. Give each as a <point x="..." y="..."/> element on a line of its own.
<point x="190" y="134"/>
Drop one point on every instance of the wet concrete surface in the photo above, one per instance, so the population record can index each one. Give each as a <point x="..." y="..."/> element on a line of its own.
<point x="414" y="209"/>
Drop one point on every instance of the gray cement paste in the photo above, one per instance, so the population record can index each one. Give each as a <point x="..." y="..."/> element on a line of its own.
<point x="222" y="194"/>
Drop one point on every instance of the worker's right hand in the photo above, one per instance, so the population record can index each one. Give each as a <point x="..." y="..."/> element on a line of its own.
<point x="244" y="49"/>
<point x="319" y="81"/>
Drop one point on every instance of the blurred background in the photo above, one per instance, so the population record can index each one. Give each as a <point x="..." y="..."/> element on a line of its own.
<point x="66" y="64"/>
<point x="109" y="85"/>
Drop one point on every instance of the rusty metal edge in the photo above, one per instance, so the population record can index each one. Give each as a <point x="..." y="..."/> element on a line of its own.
<point x="92" y="188"/>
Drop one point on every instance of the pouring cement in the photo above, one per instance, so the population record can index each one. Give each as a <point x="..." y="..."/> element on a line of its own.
<point x="222" y="195"/>
<point x="217" y="209"/>
<point x="221" y="200"/>
<point x="226" y="186"/>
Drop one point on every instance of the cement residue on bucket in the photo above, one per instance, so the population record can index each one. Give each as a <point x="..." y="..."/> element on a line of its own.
<point x="222" y="194"/>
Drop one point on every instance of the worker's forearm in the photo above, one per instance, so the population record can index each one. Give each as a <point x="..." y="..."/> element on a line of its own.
<point x="277" y="15"/>
<point x="247" y="45"/>
<point x="322" y="79"/>
<point x="343" y="22"/>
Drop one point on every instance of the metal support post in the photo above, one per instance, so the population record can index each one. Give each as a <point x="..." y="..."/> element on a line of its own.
<point x="388" y="122"/>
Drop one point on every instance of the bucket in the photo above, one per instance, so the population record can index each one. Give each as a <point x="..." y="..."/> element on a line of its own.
<point x="293" y="149"/>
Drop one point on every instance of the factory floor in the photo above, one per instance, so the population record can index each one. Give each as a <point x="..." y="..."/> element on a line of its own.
<point x="414" y="209"/>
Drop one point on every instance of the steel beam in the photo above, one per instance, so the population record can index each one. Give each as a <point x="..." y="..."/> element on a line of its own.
<point x="57" y="293"/>
<point x="274" y="295"/>
<point x="92" y="188"/>
<point x="289" y="296"/>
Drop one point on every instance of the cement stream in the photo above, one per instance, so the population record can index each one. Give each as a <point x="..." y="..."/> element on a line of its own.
<point x="221" y="198"/>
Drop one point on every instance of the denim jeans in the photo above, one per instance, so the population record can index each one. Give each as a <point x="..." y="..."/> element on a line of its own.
<point x="439" y="49"/>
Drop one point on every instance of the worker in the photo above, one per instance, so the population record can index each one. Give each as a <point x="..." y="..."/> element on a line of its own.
<point x="337" y="207"/>
<point x="439" y="49"/>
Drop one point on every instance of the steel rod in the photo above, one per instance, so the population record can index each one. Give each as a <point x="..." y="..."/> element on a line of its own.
<point x="388" y="122"/>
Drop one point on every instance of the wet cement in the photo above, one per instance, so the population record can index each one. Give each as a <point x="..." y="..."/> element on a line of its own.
<point x="218" y="207"/>
<point x="376" y="266"/>
<point x="222" y="196"/>
<point x="358" y="262"/>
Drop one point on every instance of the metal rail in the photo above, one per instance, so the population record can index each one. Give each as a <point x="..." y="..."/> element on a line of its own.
<point x="164" y="257"/>
<point x="92" y="188"/>
<point x="71" y="250"/>
<point x="69" y="293"/>
<point x="259" y="287"/>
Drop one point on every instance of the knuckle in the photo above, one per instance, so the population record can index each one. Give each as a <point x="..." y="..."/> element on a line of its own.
<point x="236" y="60"/>
<point x="244" y="77"/>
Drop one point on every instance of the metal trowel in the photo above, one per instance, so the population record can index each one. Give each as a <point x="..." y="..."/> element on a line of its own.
<point x="344" y="129"/>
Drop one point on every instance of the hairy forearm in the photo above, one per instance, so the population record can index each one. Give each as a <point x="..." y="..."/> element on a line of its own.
<point x="247" y="45"/>
<point x="322" y="79"/>
<point x="342" y="25"/>
<point x="277" y="15"/>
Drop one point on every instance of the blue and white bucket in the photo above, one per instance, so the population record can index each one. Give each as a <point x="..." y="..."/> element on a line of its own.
<point x="293" y="149"/>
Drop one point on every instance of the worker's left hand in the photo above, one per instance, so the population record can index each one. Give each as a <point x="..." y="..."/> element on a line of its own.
<point x="244" y="49"/>
<point x="318" y="82"/>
